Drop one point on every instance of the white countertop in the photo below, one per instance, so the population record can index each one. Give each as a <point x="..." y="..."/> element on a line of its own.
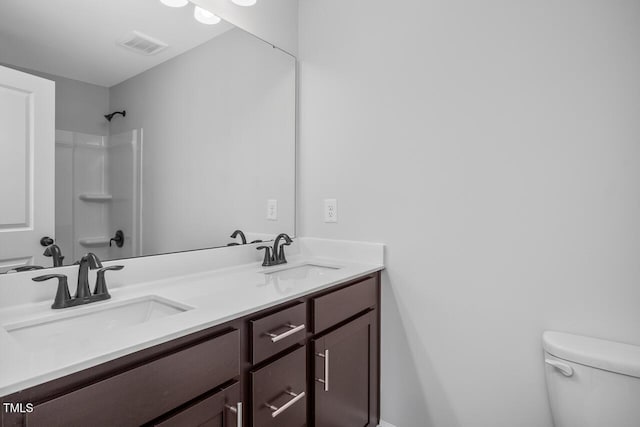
<point x="215" y="297"/>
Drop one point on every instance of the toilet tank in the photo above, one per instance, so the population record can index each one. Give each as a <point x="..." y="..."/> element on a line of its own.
<point x="592" y="382"/>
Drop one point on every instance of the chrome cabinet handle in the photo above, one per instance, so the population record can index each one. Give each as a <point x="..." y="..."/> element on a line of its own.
<point x="324" y="380"/>
<point x="277" y="411"/>
<point x="292" y="330"/>
<point x="564" y="368"/>
<point x="237" y="411"/>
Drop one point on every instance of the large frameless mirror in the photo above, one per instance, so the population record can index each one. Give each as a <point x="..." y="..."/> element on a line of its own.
<point x="170" y="133"/>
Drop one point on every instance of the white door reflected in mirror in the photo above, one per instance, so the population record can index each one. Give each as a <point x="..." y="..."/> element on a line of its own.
<point x="27" y="105"/>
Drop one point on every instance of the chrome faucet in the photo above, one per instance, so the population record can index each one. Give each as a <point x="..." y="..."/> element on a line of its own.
<point x="275" y="255"/>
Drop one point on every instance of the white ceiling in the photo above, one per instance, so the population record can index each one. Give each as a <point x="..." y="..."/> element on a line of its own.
<point x="78" y="39"/>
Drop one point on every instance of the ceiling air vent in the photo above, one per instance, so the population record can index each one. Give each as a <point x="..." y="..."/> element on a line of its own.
<point x="142" y="43"/>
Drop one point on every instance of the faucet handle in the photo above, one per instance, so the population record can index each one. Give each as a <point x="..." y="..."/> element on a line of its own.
<point x="28" y="268"/>
<point x="62" y="295"/>
<point x="267" y="256"/>
<point x="49" y="276"/>
<point x="101" y="283"/>
<point x="281" y="257"/>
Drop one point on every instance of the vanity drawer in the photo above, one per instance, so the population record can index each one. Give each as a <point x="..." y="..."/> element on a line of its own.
<point x="278" y="331"/>
<point x="279" y="392"/>
<point x="334" y="307"/>
<point x="146" y="392"/>
<point x="219" y="409"/>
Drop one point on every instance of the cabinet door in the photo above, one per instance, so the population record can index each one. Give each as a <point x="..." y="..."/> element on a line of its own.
<point x="218" y="410"/>
<point x="345" y="362"/>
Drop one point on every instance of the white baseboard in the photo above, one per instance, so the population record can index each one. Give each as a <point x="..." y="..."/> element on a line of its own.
<point x="385" y="424"/>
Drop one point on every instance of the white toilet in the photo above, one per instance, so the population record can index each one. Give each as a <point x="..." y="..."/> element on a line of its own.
<point x="592" y="382"/>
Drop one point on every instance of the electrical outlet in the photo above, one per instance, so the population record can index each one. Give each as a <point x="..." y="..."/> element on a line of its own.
<point x="330" y="210"/>
<point x="272" y="209"/>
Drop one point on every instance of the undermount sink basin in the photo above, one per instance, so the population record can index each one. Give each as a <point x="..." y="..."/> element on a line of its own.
<point x="92" y="321"/>
<point x="303" y="271"/>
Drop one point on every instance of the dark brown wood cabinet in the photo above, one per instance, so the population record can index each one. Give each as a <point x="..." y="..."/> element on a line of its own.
<point x="279" y="392"/>
<point x="139" y="394"/>
<point x="312" y="361"/>
<point x="334" y="307"/>
<point x="345" y="389"/>
<point x="219" y="409"/>
<point x="277" y="331"/>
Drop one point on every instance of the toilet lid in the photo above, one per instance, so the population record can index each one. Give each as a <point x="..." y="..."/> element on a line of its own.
<point x="608" y="355"/>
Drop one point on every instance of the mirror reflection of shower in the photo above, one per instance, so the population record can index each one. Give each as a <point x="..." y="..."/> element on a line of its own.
<point x="123" y="113"/>
<point x="98" y="188"/>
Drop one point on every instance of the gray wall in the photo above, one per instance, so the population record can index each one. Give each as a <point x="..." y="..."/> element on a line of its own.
<point x="80" y="106"/>
<point x="495" y="148"/>
<point x="218" y="135"/>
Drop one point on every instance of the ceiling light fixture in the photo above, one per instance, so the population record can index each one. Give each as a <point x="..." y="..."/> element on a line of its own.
<point x="175" y="3"/>
<point x="204" y="16"/>
<point x="244" y="2"/>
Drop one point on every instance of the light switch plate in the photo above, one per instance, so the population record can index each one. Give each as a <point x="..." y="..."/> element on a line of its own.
<point x="330" y="210"/>
<point x="272" y="209"/>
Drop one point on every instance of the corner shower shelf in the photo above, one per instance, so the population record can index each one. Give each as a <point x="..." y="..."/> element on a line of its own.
<point x="94" y="242"/>
<point x="97" y="197"/>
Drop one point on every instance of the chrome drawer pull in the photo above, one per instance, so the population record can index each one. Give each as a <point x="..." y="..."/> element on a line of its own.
<point x="292" y="330"/>
<point x="277" y="411"/>
<point x="324" y="381"/>
<point x="237" y="411"/>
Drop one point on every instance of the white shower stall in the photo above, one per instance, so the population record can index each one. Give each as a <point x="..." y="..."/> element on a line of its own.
<point x="98" y="192"/>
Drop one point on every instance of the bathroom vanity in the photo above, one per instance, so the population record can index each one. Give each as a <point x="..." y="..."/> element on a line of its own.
<point x="204" y="337"/>
<point x="301" y="349"/>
